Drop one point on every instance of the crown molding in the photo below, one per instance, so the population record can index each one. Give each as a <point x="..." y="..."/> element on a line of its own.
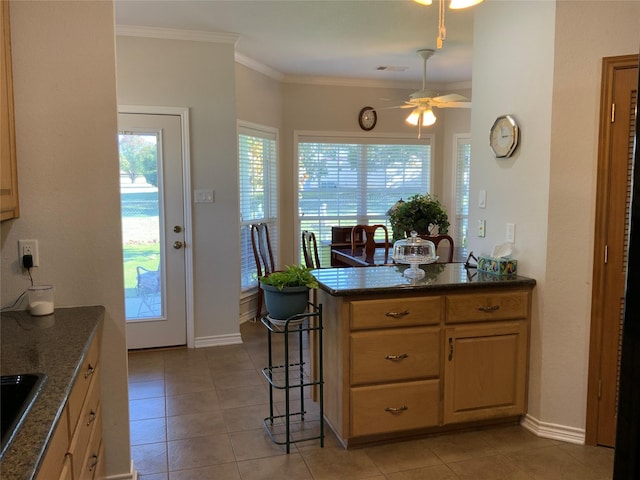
<point x="176" y="34"/>
<point x="258" y="67"/>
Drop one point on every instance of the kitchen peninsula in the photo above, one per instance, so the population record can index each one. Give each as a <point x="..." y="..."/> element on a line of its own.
<point x="406" y="357"/>
<point x="61" y="435"/>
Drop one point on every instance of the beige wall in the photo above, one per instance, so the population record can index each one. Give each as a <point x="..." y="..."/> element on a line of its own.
<point x="65" y="100"/>
<point x="198" y="75"/>
<point x="541" y="61"/>
<point x="334" y="108"/>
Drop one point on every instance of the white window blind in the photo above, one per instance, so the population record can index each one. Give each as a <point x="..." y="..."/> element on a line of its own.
<point x="347" y="181"/>
<point x="257" y="156"/>
<point x="461" y="221"/>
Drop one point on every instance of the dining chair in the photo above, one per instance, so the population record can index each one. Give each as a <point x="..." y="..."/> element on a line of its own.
<point x="436" y="239"/>
<point x="370" y="241"/>
<point x="310" y="249"/>
<point x="263" y="256"/>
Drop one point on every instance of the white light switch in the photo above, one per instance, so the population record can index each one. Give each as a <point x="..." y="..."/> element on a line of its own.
<point x="482" y="199"/>
<point x="481" y="227"/>
<point x="203" y="196"/>
<point x="511" y="232"/>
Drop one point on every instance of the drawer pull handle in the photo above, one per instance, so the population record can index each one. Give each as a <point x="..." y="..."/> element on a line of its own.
<point x="397" y="314"/>
<point x="92" y="417"/>
<point x="94" y="462"/>
<point x="490" y="309"/>
<point x="396" y="357"/>
<point x="396" y="409"/>
<point x="89" y="371"/>
<point x="450" y="348"/>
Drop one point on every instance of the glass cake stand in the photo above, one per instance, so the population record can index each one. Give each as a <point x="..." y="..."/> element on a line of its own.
<point x="414" y="251"/>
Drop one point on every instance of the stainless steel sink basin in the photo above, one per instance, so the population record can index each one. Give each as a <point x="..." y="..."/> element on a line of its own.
<point x="17" y="394"/>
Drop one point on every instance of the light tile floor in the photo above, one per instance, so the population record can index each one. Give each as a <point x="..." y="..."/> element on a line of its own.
<point x="197" y="414"/>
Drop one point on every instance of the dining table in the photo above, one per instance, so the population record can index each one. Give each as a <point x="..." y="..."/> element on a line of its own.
<point x="345" y="257"/>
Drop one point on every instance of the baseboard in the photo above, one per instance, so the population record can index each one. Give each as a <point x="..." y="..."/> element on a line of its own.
<point x="554" y="431"/>
<point x="132" y="475"/>
<point x="218" y="340"/>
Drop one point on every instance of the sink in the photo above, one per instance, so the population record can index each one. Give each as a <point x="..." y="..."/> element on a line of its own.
<point x="18" y="392"/>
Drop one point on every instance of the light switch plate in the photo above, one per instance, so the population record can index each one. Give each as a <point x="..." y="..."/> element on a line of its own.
<point x="482" y="199"/>
<point x="203" y="196"/>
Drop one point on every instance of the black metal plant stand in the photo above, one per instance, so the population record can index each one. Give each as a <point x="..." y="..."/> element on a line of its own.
<point x="291" y="427"/>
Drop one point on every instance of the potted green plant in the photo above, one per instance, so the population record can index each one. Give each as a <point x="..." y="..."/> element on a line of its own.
<point x="286" y="292"/>
<point x="422" y="213"/>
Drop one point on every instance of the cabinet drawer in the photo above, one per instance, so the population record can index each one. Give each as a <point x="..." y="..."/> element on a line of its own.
<point x="54" y="459"/>
<point x="395" y="312"/>
<point x="81" y="385"/>
<point x="487" y="307"/>
<point x="394" y="407"/>
<point x="93" y="460"/>
<point x="87" y="422"/>
<point x="396" y="354"/>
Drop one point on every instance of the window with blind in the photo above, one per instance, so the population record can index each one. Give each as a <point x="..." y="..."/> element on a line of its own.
<point x="462" y="173"/>
<point x="257" y="157"/>
<point x="347" y="181"/>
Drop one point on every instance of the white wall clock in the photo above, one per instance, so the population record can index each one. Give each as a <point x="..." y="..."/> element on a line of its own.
<point x="504" y="136"/>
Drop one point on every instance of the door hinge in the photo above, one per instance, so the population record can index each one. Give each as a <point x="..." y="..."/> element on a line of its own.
<point x="599" y="388"/>
<point x="606" y="254"/>
<point x="613" y="112"/>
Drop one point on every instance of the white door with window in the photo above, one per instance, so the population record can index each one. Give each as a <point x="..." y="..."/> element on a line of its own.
<point x="153" y="229"/>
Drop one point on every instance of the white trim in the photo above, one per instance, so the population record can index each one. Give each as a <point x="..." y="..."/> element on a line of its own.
<point x="132" y="475"/>
<point x="183" y="113"/>
<point x="218" y="340"/>
<point x="176" y="34"/>
<point x="554" y="430"/>
<point x="258" y="67"/>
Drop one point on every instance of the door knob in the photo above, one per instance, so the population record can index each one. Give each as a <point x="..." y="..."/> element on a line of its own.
<point x="177" y="229"/>
<point x="177" y="245"/>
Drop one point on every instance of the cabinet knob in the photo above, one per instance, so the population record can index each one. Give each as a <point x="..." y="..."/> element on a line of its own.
<point x="89" y="371"/>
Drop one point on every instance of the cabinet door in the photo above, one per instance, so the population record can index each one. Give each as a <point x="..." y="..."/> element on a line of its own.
<point x="8" y="169"/>
<point x="485" y="373"/>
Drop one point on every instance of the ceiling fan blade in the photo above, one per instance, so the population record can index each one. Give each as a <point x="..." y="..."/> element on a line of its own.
<point x="395" y="106"/>
<point x="451" y="97"/>
<point x="451" y="104"/>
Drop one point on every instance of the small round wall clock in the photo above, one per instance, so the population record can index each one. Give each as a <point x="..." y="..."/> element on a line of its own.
<point x="504" y="136"/>
<point x="367" y="118"/>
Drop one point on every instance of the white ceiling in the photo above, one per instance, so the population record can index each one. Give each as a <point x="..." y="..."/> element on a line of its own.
<point x="324" y="38"/>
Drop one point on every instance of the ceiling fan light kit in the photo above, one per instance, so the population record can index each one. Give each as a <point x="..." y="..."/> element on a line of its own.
<point x="454" y="5"/>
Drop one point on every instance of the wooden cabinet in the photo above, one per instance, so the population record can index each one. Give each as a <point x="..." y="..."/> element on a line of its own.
<point x="398" y="364"/>
<point x="75" y="451"/>
<point x="8" y="169"/>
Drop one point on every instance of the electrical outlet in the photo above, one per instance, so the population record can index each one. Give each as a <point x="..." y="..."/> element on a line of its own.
<point x="482" y="224"/>
<point x="28" y="247"/>
<point x="511" y="232"/>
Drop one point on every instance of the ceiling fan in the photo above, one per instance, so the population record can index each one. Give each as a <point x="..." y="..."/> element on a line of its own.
<point x="424" y="100"/>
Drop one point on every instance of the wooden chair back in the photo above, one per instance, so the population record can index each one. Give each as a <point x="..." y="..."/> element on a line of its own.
<point x="436" y="239"/>
<point x="369" y="240"/>
<point x="263" y="256"/>
<point x="310" y="249"/>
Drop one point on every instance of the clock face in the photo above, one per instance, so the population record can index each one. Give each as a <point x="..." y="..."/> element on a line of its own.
<point x="367" y="118"/>
<point x="504" y="136"/>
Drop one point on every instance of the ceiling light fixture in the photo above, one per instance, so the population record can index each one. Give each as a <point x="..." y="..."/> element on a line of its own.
<point x="454" y="5"/>
<point x="421" y="116"/>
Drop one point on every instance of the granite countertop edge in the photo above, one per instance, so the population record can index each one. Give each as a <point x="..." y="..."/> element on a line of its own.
<point x="55" y="345"/>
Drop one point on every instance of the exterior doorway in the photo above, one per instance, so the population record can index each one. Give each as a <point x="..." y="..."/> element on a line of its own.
<point x="155" y="226"/>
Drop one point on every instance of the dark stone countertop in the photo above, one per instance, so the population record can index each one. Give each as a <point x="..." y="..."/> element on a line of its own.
<point x="55" y="345"/>
<point x="390" y="279"/>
